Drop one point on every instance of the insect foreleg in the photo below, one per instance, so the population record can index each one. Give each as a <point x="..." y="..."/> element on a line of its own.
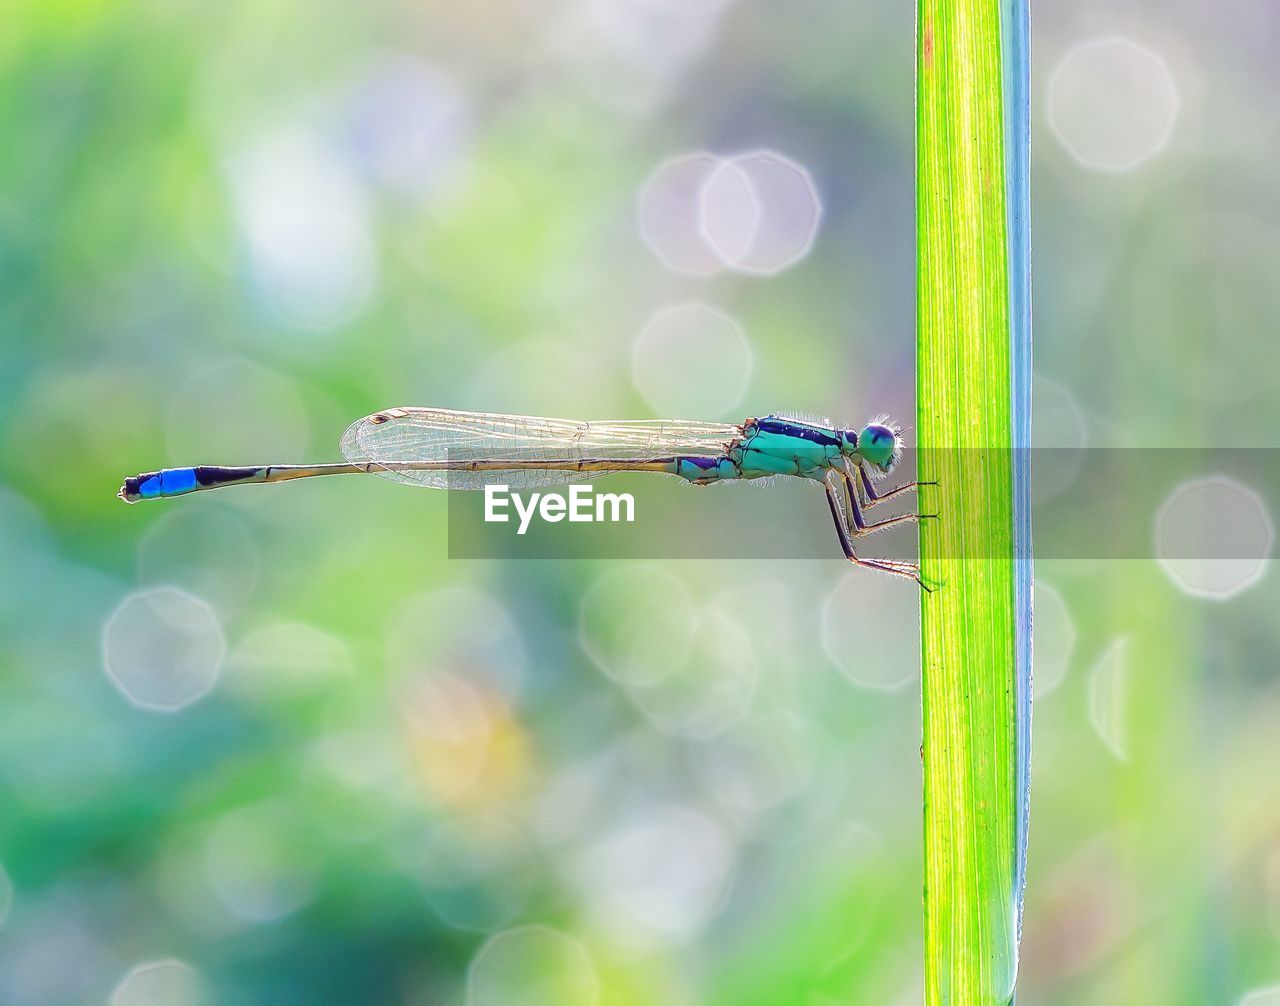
<point x="859" y="525"/>
<point x="869" y="495"/>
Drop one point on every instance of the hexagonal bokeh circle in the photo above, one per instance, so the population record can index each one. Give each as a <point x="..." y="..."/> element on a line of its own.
<point x="1112" y="103"/>
<point x="668" y="214"/>
<point x="756" y="212"/>
<point x="760" y="212"/>
<point x="675" y="350"/>
<point x="1213" y="537"/>
<point x="163" y="648"/>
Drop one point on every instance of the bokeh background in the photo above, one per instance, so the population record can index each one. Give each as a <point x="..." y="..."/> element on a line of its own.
<point x="275" y="746"/>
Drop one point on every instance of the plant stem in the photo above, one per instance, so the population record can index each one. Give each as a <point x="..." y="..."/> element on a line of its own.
<point x="966" y="421"/>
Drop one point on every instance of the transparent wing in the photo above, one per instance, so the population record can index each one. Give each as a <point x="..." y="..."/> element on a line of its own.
<point x="444" y="449"/>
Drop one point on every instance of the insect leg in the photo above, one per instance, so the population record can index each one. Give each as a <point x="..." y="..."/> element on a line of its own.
<point x="871" y="497"/>
<point x="859" y="525"/>
<point x="910" y="570"/>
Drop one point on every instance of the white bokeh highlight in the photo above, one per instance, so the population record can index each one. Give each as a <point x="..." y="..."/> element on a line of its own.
<point x="729" y="213"/>
<point x="306" y="225"/>
<point x="871" y="630"/>
<point x="691" y="361"/>
<point x="167" y="982"/>
<point x="1213" y="537"/>
<point x="1055" y="638"/>
<point x="532" y="965"/>
<point x="658" y="876"/>
<point x="756" y="212"/>
<point x="760" y="212"/>
<point x="1112" y="103"/>
<point x="1108" y="697"/>
<point x="669" y="214"/>
<point x="163" y="648"/>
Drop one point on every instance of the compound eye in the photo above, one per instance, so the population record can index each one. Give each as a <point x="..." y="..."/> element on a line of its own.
<point x="877" y="444"/>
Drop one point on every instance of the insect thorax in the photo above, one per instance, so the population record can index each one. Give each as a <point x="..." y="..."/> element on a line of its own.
<point x="778" y="446"/>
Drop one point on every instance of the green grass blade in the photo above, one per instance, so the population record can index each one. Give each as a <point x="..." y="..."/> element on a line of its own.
<point x="966" y="422"/>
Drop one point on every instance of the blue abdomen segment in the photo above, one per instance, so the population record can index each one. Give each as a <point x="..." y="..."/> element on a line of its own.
<point x="169" y="482"/>
<point x="179" y="481"/>
<point x="706" y="469"/>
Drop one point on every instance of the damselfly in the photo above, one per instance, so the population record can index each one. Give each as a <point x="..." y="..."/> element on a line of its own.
<point x="444" y="449"/>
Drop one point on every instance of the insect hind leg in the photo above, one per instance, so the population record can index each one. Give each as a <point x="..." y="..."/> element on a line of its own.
<point x="906" y="569"/>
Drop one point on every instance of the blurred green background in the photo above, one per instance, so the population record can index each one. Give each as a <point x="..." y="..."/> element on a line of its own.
<point x="274" y="746"/>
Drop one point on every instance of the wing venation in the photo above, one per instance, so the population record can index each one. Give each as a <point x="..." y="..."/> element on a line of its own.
<point x="444" y="449"/>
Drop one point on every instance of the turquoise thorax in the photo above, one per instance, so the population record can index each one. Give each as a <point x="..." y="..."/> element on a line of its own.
<point x="772" y="446"/>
